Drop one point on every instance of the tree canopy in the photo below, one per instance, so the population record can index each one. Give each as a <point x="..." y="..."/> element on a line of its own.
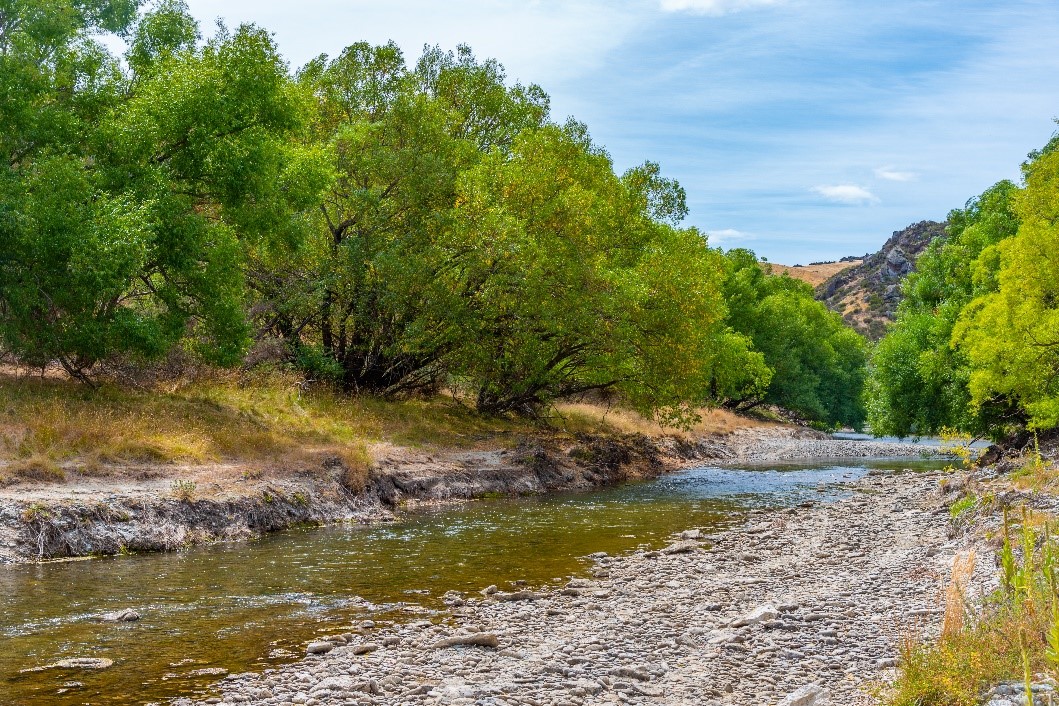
<point x="392" y="227"/>
<point x="972" y="349"/>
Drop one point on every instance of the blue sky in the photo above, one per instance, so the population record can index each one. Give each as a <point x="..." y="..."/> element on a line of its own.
<point x="804" y="129"/>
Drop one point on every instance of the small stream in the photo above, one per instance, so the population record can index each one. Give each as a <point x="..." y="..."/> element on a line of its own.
<point x="252" y="606"/>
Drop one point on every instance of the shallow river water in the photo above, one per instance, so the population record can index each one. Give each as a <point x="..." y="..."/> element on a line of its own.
<point x="252" y="606"/>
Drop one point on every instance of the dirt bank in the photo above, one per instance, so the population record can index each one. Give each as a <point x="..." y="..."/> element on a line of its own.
<point x="812" y="601"/>
<point x="146" y="511"/>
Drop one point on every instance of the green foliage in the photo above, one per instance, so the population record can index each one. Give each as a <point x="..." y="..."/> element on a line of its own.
<point x="962" y="505"/>
<point x="1011" y="334"/>
<point x="127" y="200"/>
<point x="564" y="283"/>
<point x="919" y="383"/>
<point x="398" y="228"/>
<point x="976" y="343"/>
<point x="817" y="362"/>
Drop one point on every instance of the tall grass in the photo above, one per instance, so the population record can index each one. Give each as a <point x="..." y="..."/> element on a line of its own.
<point x="1012" y="636"/>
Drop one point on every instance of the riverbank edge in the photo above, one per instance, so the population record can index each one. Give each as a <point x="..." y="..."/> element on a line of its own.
<point x="44" y="522"/>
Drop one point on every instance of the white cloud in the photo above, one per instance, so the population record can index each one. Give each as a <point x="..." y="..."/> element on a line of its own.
<point x="892" y="174"/>
<point x="846" y="193"/>
<point x="542" y="41"/>
<point x="727" y="235"/>
<point x="714" y="7"/>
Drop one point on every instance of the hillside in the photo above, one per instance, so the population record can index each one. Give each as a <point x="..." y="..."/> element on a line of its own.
<point x="817" y="273"/>
<point x="868" y="293"/>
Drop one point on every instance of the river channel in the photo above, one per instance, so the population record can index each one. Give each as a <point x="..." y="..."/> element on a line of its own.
<point x="253" y="606"/>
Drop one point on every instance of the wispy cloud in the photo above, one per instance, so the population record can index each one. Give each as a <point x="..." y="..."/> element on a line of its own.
<point x="714" y="7"/>
<point x="846" y="193"/>
<point x="727" y="236"/>
<point x="892" y="174"/>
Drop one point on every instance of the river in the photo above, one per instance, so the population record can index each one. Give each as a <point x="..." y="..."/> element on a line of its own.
<point x="252" y="606"/>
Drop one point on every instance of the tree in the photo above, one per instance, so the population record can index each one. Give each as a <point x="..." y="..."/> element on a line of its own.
<point x="127" y="201"/>
<point x="1011" y="333"/>
<point x="363" y="292"/>
<point x="817" y="363"/>
<point x="918" y="380"/>
<point x="563" y="283"/>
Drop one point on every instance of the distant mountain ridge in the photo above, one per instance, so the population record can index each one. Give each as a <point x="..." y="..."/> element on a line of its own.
<point x="867" y="294"/>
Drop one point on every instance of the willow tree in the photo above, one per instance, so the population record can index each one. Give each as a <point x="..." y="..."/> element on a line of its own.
<point x="1011" y="334"/>
<point x="564" y="283"/>
<point x="129" y="197"/>
<point x="360" y="303"/>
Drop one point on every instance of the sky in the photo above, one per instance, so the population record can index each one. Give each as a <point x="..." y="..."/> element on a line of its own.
<point x="806" y="130"/>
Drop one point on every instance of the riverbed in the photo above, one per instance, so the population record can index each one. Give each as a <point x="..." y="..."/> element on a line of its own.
<point x="254" y="606"/>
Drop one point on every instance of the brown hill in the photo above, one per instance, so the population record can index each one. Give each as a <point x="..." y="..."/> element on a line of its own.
<point x="815" y="274"/>
<point x="867" y="294"/>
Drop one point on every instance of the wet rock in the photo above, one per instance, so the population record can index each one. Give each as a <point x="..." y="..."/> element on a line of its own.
<point x="682" y="547"/>
<point x="518" y="596"/>
<point x="74" y="663"/>
<point x="121" y="616"/>
<point x="365" y="648"/>
<point x="320" y="647"/>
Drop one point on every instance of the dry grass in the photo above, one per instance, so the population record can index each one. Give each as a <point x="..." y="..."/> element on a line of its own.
<point x="1012" y="636"/>
<point x="956" y="603"/>
<point x="815" y="275"/>
<point x="590" y="417"/>
<point x="269" y="422"/>
<point x="959" y="666"/>
<point x="46" y="423"/>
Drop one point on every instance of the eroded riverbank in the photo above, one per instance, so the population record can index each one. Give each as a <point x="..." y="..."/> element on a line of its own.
<point x="811" y="598"/>
<point x="98" y="516"/>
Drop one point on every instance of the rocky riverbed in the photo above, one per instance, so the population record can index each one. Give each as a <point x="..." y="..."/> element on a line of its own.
<point x="795" y="607"/>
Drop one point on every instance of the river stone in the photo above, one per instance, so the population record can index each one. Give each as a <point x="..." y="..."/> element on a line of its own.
<point x="682" y="547"/>
<point x="74" y="663"/>
<point x="808" y="695"/>
<point x="518" y="596"/>
<point x="319" y="648"/>
<point x="365" y="648"/>
<point x="478" y="639"/>
<point x="121" y="616"/>
<point x="759" y="614"/>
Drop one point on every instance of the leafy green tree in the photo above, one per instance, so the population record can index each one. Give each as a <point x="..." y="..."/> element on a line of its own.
<point x="1011" y="333"/>
<point x="817" y="363"/>
<point x="919" y="382"/>
<point x="362" y="292"/>
<point x="127" y="200"/>
<point x="564" y="283"/>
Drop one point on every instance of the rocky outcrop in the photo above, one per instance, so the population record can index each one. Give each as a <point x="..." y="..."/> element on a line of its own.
<point x="867" y="295"/>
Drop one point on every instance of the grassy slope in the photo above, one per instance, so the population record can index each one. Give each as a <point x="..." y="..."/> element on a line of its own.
<point x="815" y="275"/>
<point x="53" y="429"/>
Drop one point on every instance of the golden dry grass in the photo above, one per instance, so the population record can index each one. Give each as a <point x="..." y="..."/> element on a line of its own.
<point x="815" y="275"/>
<point x="956" y="600"/>
<point x="267" y="421"/>
<point x="592" y="417"/>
